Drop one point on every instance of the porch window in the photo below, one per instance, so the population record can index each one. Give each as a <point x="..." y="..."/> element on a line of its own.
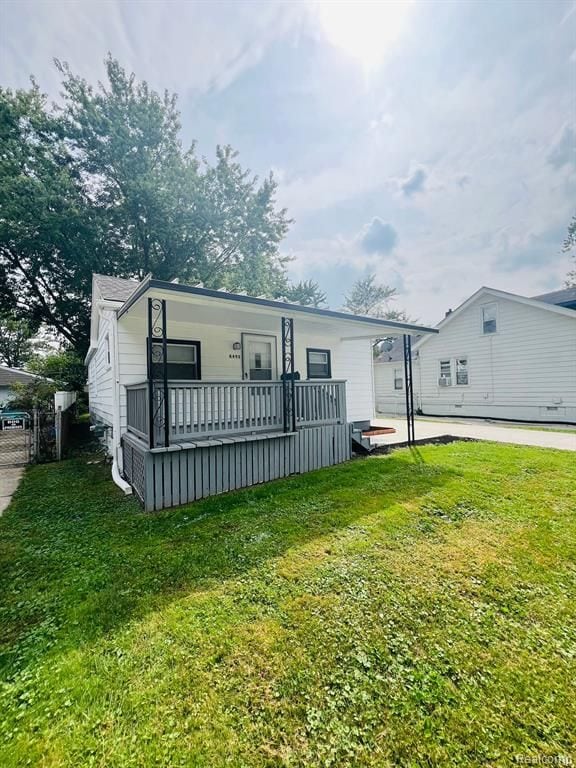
<point x="461" y="371"/>
<point x="318" y="364"/>
<point x="183" y="358"/>
<point x="398" y="380"/>
<point x="489" y="318"/>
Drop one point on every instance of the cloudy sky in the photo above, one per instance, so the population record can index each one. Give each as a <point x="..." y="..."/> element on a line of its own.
<point x="433" y="143"/>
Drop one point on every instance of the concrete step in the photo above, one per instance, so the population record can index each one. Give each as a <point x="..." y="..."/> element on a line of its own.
<point x="360" y="444"/>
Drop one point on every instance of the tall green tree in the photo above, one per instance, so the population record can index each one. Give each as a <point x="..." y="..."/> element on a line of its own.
<point x="103" y="184"/>
<point x="306" y="292"/>
<point x="368" y="297"/>
<point x="569" y="246"/>
<point x="50" y="241"/>
<point x="16" y="341"/>
<point x="64" y="367"/>
<point x="176" y="215"/>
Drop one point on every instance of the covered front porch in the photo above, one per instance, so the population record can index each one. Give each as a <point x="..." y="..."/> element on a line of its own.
<point x="221" y="391"/>
<point x="209" y="371"/>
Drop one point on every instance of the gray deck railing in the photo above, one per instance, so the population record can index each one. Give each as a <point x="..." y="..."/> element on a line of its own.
<point x="206" y="409"/>
<point x="320" y="402"/>
<point x="202" y="409"/>
<point x="137" y="409"/>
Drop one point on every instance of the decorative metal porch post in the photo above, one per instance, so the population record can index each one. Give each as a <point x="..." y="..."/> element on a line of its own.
<point x="288" y="384"/>
<point x="158" y="396"/>
<point x="408" y="388"/>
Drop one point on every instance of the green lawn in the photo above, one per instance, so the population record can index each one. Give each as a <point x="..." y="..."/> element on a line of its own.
<point x="403" y="610"/>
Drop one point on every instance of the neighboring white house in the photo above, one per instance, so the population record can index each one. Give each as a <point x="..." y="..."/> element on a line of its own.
<point x="498" y="355"/>
<point x="10" y="376"/>
<point x="224" y="383"/>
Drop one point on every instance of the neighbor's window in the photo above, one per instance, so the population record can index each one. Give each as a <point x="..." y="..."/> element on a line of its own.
<point x="446" y="373"/>
<point x="318" y="363"/>
<point x="398" y="380"/>
<point x="183" y="359"/>
<point x="461" y="371"/>
<point x="489" y="318"/>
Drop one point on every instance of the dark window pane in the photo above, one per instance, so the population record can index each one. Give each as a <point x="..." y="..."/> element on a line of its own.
<point x="182" y="361"/>
<point x="318" y="363"/>
<point x="261" y="374"/>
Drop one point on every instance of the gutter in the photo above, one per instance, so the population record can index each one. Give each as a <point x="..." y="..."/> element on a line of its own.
<point x="89" y="355"/>
<point x="117" y="457"/>
<point x="103" y="304"/>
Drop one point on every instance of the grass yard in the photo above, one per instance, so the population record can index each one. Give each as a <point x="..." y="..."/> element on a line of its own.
<point x="416" y="609"/>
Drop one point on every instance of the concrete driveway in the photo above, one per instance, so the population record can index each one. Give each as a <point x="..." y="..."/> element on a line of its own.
<point x="477" y="429"/>
<point x="9" y="480"/>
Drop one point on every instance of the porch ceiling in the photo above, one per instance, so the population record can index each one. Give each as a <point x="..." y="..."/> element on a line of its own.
<point x="224" y="309"/>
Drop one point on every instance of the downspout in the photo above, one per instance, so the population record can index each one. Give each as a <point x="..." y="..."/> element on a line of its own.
<point x="118" y="479"/>
<point x="117" y="457"/>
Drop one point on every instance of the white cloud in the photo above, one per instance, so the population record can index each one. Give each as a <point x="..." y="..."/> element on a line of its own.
<point x="170" y="44"/>
<point x="487" y="117"/>
<point x="496" y="209"/>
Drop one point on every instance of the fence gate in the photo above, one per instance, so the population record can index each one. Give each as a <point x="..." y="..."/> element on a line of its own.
<point x="44" y="436"/>
<point x="15" y="443"/>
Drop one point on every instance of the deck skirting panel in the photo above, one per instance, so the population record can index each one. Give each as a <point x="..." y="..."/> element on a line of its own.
<point x="183" y="474"/>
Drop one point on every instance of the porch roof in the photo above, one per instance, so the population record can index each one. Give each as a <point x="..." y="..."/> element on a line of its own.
<point x="352" y="326"/>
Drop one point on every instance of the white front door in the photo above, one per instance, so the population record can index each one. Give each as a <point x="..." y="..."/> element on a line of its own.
<point x="258" y="357"/>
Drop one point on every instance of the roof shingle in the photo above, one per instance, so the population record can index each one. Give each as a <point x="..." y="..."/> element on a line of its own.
<point x="563" y="298"/>
<point x="114" y="288"/>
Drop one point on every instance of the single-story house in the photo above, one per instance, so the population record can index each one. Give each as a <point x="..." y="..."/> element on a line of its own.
<point x="197" y="391"/>
<point x="498" y="355"/>
<point x="10" y="376"/>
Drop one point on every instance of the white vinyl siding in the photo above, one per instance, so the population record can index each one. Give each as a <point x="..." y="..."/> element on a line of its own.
<point x="388" y="399"/>
<point x="526" y="368"/>
<point x="352" y="361"/>
<point x="100" y="377"/>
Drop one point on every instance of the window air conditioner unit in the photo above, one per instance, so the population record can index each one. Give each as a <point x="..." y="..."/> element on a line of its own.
<point x="445" y="381"/>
